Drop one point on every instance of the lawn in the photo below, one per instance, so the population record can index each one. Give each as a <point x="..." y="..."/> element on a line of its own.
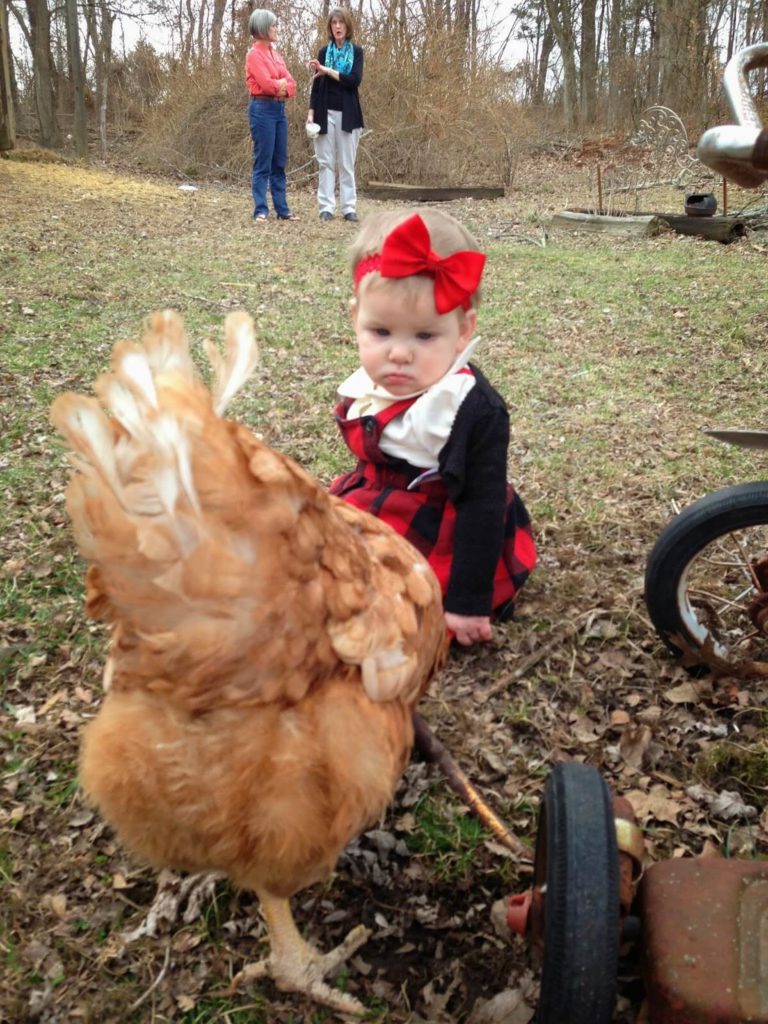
<point x="612" y="355"/>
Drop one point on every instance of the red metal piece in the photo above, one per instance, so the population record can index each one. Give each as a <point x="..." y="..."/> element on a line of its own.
<point x="517" y="912"/>
<point x="705" y="924"/>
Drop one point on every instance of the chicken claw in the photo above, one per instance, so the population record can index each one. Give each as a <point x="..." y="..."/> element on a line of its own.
<point x="296" y="966"/>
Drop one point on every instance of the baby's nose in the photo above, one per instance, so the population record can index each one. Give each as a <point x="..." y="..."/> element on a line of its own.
<point x="400" y="353"/>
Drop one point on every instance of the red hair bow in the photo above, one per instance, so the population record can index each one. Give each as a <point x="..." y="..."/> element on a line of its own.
<point x="406" y="251"/>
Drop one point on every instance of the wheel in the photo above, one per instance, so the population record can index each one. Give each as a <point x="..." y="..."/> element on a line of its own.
<point x="706" y="582"/>
<point x="577" y="867"/>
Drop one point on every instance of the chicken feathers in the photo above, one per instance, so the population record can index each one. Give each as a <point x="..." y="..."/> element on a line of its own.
<point x="268" y="641"/>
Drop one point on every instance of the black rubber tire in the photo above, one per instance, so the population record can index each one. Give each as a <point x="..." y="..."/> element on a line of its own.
<point x="701" y="523"/>
<point x="576" y="855"/>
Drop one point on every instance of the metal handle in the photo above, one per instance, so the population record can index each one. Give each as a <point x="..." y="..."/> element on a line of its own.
<point x="739" y="151"/>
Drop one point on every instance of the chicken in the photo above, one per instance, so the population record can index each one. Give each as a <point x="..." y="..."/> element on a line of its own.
<point x="268" y="641"/>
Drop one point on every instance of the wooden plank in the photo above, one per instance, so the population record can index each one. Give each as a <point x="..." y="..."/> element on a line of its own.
<point x="719" y="229"/>
<point x="430" y="193"/>
<point x="642" y="225"/>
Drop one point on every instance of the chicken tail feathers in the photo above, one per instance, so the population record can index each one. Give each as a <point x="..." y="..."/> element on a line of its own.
<point x="233" y="369"/>
<point x="151" y="456"/>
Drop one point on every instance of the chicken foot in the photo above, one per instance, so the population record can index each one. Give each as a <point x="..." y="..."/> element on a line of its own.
<point x="296" y="966"/>
<point x="172" y="892"/>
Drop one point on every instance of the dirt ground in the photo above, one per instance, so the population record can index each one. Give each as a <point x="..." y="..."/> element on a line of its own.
<point x="578" y="675"/>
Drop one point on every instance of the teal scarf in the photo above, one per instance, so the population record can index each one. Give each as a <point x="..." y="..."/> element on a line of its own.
<point x="340" y="59"/>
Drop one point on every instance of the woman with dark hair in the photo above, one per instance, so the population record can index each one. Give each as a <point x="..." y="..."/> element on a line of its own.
<point x="270" y="84"/>
<point x="334" y="105"/>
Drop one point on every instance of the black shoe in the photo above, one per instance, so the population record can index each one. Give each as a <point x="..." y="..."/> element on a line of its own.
<point x="326" y="216"/>
<point x="351" y="216"/>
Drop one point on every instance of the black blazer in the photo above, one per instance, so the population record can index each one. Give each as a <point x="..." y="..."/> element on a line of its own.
<point x="351" y="111"/>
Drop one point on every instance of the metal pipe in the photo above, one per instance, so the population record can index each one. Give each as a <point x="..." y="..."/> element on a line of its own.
<point x="738" y="151"/>
<point x="740" y="102"/>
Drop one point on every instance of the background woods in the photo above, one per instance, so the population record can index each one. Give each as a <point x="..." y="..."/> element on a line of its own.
<point x="452" y="90"/>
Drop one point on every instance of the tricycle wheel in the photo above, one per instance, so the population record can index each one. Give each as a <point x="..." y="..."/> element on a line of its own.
<point x="706" y="582"/>
<point x="577" y="868"/>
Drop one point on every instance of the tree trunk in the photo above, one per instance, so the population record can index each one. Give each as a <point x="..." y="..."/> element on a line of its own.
<point x="217" y="21"/>
<point x="78" y="80"/>
<point x="101" y="20"/>
<point x="42" y="69"/>
<point x="588" y="67"/>
<point x="616" y="43"/>
<point x="7" y="118"/>
<point x="542" y="68"/>
<point x="561" y="20"/>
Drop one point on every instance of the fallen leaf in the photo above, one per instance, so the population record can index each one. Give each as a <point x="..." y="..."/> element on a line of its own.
<point x="685" y="693"/>
<point x="508" y="1007"/>
<point x="24" y="715"/>
<point x="656" y="804"/>
<point x="52" y="700"/>
<point x="82" y="818"/>
<point x="58" y="904"/>
<point x="583" y="729"/>
<point x="634" y="743"/>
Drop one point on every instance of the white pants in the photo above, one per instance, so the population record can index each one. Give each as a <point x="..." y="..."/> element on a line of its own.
<point x="336" y="149"/>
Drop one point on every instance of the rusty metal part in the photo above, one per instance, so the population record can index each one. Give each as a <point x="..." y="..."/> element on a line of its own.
<point x="739" y="151"/>
<point x="758" y="609"/>
<point x="434" y="751"/>
<point x="518" y="910"/>
<point x="629" y="839"/>
<point x="758" y="612"/>
<point x="704" y="941"/>
<point x="525" y="912"/>
<point x="631" y="846"/>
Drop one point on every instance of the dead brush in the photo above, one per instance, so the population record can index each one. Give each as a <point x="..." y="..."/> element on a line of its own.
<point x="200" y="130"/>
<point x="430" y="117"/>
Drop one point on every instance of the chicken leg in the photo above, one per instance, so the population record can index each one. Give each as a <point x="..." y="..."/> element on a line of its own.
<point x="296" y="966"/>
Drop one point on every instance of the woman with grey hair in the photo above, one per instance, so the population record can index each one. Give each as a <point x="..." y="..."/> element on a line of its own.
<point x="334" y="105"/>
<point x="270" y="83"/>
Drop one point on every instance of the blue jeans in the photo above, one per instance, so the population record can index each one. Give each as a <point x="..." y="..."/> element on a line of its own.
<point x="269" y="131"/>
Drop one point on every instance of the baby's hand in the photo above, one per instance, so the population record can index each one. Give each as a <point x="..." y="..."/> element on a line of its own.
<point x="469" y="629"/>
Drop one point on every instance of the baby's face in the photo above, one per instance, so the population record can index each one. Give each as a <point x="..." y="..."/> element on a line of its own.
<point x="405" y="344"/>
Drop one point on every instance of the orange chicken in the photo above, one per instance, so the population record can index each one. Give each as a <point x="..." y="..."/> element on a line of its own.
<point x="268" y="641"/>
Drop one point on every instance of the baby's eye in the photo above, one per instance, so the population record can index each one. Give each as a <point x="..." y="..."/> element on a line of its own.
<point x="381" y="332"/>
<point x="425" y="335"/>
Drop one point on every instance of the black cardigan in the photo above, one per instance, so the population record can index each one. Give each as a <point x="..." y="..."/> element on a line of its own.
<point x="351" y="111"/>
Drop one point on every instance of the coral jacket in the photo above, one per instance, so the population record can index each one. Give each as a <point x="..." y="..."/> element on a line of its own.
<point x="264" y="67"/>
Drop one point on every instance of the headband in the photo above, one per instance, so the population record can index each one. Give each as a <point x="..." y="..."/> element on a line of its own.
<point x="406" y="251"/>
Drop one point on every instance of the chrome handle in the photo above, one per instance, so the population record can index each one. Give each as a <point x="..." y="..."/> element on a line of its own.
<point x="738" y="151"/>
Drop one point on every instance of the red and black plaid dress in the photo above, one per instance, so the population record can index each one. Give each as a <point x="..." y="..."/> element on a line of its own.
<point x="465" y="518"/>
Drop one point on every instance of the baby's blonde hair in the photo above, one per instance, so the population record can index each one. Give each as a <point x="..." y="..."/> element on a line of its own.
<point x="447" y="235"/>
